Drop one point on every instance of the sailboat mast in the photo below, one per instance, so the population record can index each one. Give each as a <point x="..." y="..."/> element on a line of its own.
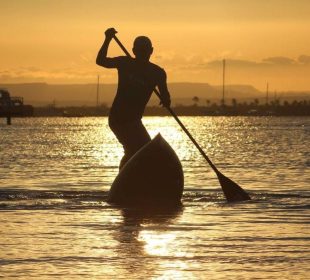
<point x="223" y="98"/>
<point x="97" y="103"/>
<point x="267" y="93"/>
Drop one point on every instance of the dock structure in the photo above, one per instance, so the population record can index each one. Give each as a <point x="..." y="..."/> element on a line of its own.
<point x="5" y="105"/>
<point x="13" y="106"/>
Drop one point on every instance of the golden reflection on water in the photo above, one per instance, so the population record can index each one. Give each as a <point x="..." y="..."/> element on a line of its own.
<point x="165" y="126"/>
<point x="163" y="245"/>
<point x="87" y="239"/>
<point x="156" y="243"/>
<point x="163" y="248"/>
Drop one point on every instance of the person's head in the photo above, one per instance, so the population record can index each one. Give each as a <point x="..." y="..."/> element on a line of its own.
<point x="142" y="48"/>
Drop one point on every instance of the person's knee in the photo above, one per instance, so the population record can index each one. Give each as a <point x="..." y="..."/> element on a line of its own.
<point x="112" y="125"/>
<point x="124" y="160"/>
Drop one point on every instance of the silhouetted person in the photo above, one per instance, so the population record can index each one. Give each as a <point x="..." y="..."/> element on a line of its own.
<point x="137" y="77"/>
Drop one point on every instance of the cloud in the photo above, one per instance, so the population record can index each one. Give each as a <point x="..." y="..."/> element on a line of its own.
<point x="279" y="60"/>
<point x="183" y="67"/>
<point x="57" y="75"/>
<point x="232" y="62"/>
<point x="172" y="61"/>
<point x="304" y="59"/>
<point x="31" y="69"/>
<point x="276" y="61"/>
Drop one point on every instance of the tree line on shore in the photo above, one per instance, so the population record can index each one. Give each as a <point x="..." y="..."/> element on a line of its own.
<point x="235" y="108"/>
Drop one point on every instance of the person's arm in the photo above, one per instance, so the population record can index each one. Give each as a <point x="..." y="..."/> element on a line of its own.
<point x="102" y="59"/>
<point x="163" y="90"/>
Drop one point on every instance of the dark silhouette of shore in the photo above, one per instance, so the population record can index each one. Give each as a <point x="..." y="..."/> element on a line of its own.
<point x="12" y="106"/>
<point x="254" y="108"/>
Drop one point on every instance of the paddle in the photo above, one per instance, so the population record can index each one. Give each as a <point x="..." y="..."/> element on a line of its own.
<point x="232" y="191"/>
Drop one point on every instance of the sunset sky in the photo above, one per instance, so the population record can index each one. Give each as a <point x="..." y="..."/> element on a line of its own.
<point x="57" y="41"/>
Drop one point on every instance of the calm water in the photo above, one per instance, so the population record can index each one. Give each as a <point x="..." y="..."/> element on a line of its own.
<point x="55" y="174"/>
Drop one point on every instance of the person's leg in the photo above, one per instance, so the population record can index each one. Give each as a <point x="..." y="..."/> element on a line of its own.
<point x="119" y="132"/>
<point x="133" y="136"/>
<point x="124" y="159"/>
<point x="137" y="136"/>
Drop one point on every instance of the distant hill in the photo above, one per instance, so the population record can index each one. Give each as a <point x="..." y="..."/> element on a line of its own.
<point x="42" y="94"/>
<point x="183" y="93"/>
<point x="240" y="89"/>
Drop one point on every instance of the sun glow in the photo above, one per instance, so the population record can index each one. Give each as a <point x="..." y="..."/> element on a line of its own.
<point x="58" y="43"/>
<point x="158" y="244"/>
<point x="165" y="244"/>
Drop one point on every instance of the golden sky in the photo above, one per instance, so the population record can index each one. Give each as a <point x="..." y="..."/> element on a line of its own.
<point x="57" y="41"/>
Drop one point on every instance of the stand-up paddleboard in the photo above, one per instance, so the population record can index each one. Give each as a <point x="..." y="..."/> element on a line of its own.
<point x="153" y="175"/>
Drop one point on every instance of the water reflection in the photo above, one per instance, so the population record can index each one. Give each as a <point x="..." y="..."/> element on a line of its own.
<point x="157" y="243"/>
<point x="55" y="219"/>
<point x="144" y="238"/>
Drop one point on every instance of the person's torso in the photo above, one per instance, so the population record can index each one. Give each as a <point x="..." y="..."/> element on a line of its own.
<point x="136" y="81"/>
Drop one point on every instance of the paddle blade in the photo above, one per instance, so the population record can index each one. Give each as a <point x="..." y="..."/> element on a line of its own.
<point x="232" y="191"/>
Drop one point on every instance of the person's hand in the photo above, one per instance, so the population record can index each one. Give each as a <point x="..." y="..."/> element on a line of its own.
<point x="165" y="101"/>
<point x="110" y="33"/>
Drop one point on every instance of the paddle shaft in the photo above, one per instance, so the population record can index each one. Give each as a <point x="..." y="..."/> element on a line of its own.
<point x="175" y="117"/>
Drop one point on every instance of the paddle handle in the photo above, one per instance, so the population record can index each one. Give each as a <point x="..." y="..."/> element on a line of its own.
<point x="121" y="46"/>
<point x="175" y="116"/>
<point x="191" y="137"/>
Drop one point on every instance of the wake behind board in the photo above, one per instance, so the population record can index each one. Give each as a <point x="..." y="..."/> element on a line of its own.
<point x="153" y="175"/>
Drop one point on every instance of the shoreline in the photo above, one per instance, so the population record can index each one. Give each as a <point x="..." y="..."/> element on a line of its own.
<point x="299" y="109"/>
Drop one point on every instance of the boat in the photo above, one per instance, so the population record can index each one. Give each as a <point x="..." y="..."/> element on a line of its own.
<point x="13" y="105"/>
<point x="153" y="176"/>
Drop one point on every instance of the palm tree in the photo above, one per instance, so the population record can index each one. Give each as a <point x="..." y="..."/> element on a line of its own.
<point x="234" y="102"/>
<point x="195" y="100"/>
<point x="256" y="101"/>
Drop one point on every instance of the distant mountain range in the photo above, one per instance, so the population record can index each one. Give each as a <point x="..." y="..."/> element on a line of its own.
<point x="42" y="94"/>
